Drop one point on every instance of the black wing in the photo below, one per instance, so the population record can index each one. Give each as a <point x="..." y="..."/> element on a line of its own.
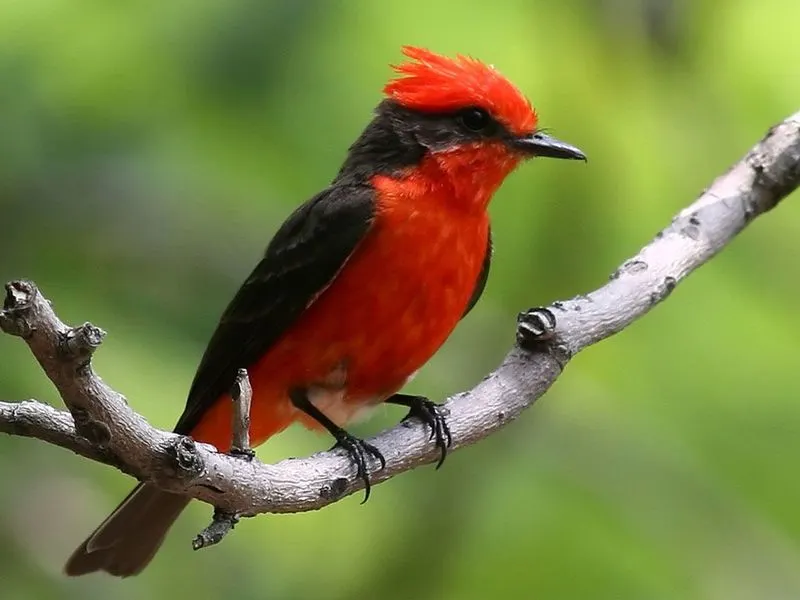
<point x="301" y="261"/>
<point x="483" y="276"/>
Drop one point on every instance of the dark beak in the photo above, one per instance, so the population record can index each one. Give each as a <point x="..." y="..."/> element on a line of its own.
<point x="539" y="144"/>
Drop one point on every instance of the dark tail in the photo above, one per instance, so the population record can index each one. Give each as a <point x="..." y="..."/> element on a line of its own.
<point x="128" y="539"/>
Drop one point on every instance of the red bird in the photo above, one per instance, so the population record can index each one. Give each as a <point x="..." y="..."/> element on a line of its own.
<point x="361" y="284"/>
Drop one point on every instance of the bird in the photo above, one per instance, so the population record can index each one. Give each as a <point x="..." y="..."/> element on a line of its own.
<point x="359" y="287"/>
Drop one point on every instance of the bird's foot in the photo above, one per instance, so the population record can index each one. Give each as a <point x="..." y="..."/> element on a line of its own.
<point x="360" y="452"/>
<point x="432" y="414"/>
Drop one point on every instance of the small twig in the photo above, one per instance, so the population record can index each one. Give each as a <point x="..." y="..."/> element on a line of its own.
<point x="242" y="396"/>
<point x="221" y="524"/>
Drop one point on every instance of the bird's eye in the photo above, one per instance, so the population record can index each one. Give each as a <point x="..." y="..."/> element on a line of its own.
<point x="475" y="119"/>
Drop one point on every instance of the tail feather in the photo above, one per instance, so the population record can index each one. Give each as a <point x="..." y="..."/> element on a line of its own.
<point x="128" y="539"/>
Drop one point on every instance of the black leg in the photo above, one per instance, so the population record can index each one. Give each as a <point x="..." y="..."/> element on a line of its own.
<point x="358" y="449"/>
<point x="431" y="414"/>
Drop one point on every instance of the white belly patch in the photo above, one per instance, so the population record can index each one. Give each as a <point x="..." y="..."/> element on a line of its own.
<point x="333" y="402"/>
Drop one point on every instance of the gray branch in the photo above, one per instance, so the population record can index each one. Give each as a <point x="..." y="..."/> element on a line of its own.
<point x="100" y="425"/>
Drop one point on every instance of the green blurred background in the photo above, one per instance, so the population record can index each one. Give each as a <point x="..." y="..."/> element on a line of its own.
<point x="148" y="151"/>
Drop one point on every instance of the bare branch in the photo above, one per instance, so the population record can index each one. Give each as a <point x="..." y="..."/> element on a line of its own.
<point x="221" y="525"/>
<point x="41" y="421"/>
<point x="105" y="429"/>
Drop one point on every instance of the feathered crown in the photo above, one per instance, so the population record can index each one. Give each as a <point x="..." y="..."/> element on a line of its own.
<point x="433" y="83"/>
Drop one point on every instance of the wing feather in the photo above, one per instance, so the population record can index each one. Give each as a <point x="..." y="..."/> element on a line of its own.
<point x="301" y="261"/>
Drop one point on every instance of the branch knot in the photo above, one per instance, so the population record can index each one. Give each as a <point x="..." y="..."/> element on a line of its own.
<point x="15" y="316"/>
<point x="184" y="460"/>
<point x="79" y="343"/>
<point x="96" y="433"/>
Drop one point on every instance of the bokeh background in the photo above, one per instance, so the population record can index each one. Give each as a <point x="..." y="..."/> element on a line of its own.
<point x="148" y="151"/>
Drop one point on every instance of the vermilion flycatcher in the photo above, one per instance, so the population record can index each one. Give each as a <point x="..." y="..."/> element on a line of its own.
<point x="361" y="284"/>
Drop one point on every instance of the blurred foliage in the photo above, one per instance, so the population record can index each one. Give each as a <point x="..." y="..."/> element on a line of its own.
<point x="148" y="150"/>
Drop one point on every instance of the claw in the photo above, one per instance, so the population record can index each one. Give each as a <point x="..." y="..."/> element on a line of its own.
<point x="358" y="450"/>
<point x="433" y="415"/>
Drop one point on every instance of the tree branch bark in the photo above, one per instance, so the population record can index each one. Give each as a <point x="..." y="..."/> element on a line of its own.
<point x="100" y="426"/>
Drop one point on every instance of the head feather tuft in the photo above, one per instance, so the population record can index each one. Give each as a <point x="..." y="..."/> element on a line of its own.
<point x="433" y="83"/>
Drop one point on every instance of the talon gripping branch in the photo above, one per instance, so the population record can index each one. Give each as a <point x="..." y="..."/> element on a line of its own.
<point x="361" y="284"/>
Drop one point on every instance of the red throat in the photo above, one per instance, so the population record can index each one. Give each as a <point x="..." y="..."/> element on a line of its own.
<point x="463" y="178"/>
